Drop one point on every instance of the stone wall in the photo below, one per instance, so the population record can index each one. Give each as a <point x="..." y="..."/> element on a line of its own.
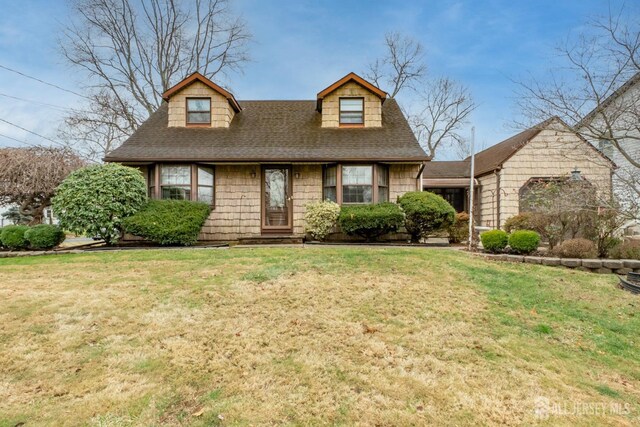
<point x="331" y="106"/>
<point x="221" y="111"/>
<point x="603" y="266"/>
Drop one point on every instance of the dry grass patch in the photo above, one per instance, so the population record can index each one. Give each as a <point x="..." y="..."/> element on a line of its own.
<point x="308" y="336"/>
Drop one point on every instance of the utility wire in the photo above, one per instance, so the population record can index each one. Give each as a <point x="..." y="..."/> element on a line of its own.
<point x="18" y="140"/>
<point x="42" y="81"/>
<point x="45" y="104"/>
<point x="31" y="132"/>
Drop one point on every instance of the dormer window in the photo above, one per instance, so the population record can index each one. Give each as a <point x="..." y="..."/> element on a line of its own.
<point x="199" y="111"/>
<point x="351" y="111"/>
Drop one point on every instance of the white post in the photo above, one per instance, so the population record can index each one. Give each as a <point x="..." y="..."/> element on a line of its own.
<point x="471" y="185"/>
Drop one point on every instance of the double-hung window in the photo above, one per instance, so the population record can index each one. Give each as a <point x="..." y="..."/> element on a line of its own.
<point x="330" y="183"/>
<point x="175" y="182"/>
<point x="351" y="111"/>
<point x="182" y="182"/>
<point x="198" y="111"/>
<point x="357" y="184"/>
<point x="205" y="184"/>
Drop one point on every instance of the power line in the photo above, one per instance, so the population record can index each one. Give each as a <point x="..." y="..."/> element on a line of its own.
<point x="31" y="132"/>
<point x="58" y="107"/>
<point x="18" y="140"/>
<point x="42" y="81"/>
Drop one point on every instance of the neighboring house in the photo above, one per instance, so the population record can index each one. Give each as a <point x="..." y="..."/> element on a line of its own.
<point x="622" y="112"/>
<point x="548" y="151"/>
<point x="259" y="162"/>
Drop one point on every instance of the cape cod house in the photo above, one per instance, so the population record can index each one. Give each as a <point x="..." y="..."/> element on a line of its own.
<point x="550" y="150"/>
<point x="259" y="162"/>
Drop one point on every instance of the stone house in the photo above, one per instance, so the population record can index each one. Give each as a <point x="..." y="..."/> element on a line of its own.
<point x="258" y="163"/>
<point x="550" y="150"/>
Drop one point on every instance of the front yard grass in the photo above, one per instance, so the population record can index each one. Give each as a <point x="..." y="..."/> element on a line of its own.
<point x="292" y="336"/>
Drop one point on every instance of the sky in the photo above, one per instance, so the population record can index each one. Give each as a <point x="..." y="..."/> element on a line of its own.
<point x="301" y="46"/>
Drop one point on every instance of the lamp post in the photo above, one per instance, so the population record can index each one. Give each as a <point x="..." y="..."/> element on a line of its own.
<point x="471" y="185"/>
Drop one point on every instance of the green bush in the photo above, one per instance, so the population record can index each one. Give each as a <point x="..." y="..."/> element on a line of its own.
<point x="576" y="248"/>
<point x="13" y="238"/>
<point x="524" y="241"/>
<point x="320" y="218"/>
<point x="44" y="236"/>
<point x="425" y="213"/>
<point x="494" y="240"/>
<point x="629" y="249"/>
<point x="370" y="221"/>
<point x="168" y="222"/>
<point x="95" y="200"/>
<point x="459" y="230"/>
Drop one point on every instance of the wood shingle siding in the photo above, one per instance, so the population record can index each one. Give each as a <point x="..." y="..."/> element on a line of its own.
<point x="331" y="106"/>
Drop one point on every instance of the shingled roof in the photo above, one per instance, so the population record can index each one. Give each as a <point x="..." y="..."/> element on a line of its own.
<point x="275" y="131"/>
<point x="447" y="169"/>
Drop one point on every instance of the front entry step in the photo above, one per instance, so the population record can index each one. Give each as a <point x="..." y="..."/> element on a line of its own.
<point x="270" y="240"/>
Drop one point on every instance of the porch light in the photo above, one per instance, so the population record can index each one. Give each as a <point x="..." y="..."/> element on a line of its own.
<point x="253" y="174"/>
<point x="575" y="175"/>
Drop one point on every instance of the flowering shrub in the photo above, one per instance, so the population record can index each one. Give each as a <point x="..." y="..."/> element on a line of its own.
<point x="320" y="218"/>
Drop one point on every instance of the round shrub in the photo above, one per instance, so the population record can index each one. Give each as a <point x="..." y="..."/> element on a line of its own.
<point x="94" y="200"/>
<point x="44" y="236"/>
<point x="494" y="241"/>
<point x="524" y="241"/>
<point x="168" y="222"/>
<point x="629" y="249"/>
<point x="320" y="218"/>
<point x="370" y="221"/>
<point x="13" y="238"/>
<point x="459" y="230"/>
<point x="425" y="213"/>
<point x="576" y="248"/>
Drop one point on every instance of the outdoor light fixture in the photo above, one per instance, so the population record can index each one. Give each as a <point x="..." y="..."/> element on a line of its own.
<point x="297" y="175"/>
<point x="253" y="173"/>
<point x="575" y="174"/>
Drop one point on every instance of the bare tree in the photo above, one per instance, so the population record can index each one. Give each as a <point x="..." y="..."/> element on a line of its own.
<point x="444" y="109"/>
<point x="30" y="176"/>
<point x="402" y="65"/>
<point x="596" y="89"/>
<point x="132" y="52"/>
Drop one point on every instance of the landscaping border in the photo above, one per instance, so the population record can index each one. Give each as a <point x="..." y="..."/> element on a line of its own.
<point x="601" y="266"/>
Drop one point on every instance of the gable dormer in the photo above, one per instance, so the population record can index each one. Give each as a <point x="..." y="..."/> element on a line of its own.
<point x="351" y="102"/>
<point x="198" y="102"/>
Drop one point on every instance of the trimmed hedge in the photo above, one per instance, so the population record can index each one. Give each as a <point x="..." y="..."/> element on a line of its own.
<point x="44" y="236"/>
<point x="524" y="241"/>
<point x="13" y="238"/>
<point x="168" y="222"/>
<point x="370" y="221"/>
<point x="426" y="212"/>
<point x="494" y="240"/>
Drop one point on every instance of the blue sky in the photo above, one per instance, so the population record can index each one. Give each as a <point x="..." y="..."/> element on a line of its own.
<point x="302" y="46"/>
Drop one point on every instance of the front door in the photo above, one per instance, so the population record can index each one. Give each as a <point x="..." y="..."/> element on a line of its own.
<point x="277" y="207"/>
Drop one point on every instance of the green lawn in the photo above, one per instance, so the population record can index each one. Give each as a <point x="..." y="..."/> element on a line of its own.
<point x="313" y="336"/>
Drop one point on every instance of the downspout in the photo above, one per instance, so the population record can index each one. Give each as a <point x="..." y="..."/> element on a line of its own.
<point x="419" y="177"/>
